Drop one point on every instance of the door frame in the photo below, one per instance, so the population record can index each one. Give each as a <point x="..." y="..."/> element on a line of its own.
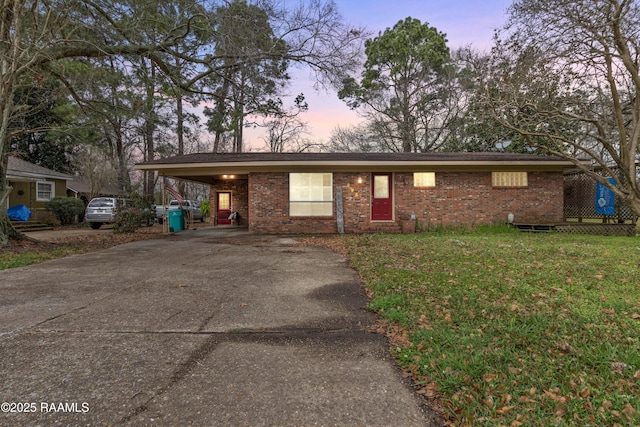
<point x="226" y="220"/>
<point x="389" y="215"/>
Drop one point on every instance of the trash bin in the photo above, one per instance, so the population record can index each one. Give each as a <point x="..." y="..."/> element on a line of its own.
<point x="176" y="220"/>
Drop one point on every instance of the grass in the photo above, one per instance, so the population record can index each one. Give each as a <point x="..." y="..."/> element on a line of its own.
<point x="507" y="328"/>
<point x="36" y="254"/>
<point x="10" y="260"/>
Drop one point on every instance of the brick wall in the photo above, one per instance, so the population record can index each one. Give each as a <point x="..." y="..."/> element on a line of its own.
<point x="459" y="198"/>
<point x="269" y="208"/>
<point x="466" y="198"/>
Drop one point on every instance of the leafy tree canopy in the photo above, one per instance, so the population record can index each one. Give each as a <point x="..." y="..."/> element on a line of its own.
<point x="403" y="83"/>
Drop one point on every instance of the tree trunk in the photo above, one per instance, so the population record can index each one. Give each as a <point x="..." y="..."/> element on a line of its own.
<point x="150" y="127"/>
<point x="634" y="204"/>
<point x="124" y="183"/>
<point x="6" y="230"/>
<point x="180" y="128"/>
<point x="220" y="106"/>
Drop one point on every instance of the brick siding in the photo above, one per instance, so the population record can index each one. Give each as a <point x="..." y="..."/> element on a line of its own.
<point x="458" y="199"/>
<point x="467" y="198"/>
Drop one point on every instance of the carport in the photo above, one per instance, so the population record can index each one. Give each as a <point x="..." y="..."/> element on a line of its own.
<point x="229" y="184"/>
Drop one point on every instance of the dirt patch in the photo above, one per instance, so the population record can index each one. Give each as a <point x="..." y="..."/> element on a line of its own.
<point x="335" y="243"/>
<point x="83" y="239"/>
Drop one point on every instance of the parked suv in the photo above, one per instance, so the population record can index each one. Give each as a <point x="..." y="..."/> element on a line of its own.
<point x="102" y="210"/>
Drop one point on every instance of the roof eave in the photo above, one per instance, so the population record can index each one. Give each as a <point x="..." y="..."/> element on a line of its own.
<point x="214" y="168"/>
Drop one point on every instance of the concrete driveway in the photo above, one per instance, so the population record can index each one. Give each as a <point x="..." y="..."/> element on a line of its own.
<point x="203" y="328"/>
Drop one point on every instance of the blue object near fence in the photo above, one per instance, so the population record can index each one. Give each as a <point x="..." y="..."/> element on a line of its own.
<point x="605" y="199"/>
<point x="176" y="220"/>
<point x="19" y="213"/>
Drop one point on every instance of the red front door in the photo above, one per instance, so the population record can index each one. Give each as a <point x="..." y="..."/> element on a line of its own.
<point x="224" y="208"/>
<point x="381" y="197"/>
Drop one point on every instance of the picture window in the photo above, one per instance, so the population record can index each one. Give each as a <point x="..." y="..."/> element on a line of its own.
<point x="310" y="194"/>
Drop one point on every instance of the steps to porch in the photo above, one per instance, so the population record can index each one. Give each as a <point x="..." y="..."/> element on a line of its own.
<point x="26" y="226"/>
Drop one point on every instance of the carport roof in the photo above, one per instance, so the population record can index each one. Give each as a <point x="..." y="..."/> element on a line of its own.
<point x="204" y="167"/>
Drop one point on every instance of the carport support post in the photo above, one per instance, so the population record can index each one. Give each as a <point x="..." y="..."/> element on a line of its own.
<point x="339" y="210"/>
<point x="165" y="219"/>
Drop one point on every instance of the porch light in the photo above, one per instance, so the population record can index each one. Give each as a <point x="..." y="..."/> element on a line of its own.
<point x="360" y="180"/>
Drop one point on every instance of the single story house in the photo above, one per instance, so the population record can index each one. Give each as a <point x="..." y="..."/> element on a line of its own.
<point x="79" y="187"/>
<point x="277" y="193"/>
<point x="33" y="186"/>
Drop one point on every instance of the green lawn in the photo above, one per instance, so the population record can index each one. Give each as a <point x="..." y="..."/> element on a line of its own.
<point x="11" y="259"/>
<point x="510" y="328"/>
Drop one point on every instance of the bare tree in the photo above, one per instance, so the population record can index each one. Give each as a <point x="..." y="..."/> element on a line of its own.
<point x="96" y="168"/>
<point x="286" y="131"/>
<point x="565" y="76"/>
<point x="360" y="138"/>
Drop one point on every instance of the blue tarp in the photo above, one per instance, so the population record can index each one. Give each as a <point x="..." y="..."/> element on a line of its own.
<point x="19" y="213"/>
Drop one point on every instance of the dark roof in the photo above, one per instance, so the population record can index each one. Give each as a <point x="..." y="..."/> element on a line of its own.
<point x="21" y="169"/>
<point x="79" y="185"/>
<point x="352" y="157"/>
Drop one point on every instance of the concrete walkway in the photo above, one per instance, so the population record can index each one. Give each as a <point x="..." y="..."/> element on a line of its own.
<point x="204" y="328"/>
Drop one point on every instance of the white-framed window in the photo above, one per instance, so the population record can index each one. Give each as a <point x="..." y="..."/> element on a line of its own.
<point x="310" y="194"/>
<point x="45" y="191"/>
<point x="424" y="179"/>
<point x="509" y="179"/>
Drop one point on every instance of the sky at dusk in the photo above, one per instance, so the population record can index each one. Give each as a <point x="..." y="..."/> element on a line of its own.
<point x="465" y="22"/>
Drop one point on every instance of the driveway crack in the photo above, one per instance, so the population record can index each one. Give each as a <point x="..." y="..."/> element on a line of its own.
<point x="183" y="369"/>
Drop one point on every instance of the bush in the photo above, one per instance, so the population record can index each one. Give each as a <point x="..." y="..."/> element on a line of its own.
<point x="65" y="208"/>
<point x="205" y="208"/>
<point x="139" y="211"/>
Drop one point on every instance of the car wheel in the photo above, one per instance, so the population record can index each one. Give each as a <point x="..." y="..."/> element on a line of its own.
<point x="95" y="225"/>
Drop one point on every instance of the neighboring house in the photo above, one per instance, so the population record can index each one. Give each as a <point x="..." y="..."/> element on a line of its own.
<point x="78" y="187"/>
<point x="33" y="186"/>
<point x="380" y="192"/>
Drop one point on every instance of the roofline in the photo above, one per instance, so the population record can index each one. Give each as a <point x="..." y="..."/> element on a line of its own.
<point x="34" y="177"/>
<point x="18" y="168"/>
<point x="356" y="165"/>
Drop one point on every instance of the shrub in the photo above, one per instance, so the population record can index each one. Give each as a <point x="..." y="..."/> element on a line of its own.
<point x="65" y="209"/>
<point x="139" y="211"/>
<point x="205" y="208"/>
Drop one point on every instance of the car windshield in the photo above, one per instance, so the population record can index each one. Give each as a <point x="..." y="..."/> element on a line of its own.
<point x="101" y="203"/>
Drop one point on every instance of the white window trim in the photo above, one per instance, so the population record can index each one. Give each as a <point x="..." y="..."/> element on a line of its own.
<point x="52" y="194"/>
